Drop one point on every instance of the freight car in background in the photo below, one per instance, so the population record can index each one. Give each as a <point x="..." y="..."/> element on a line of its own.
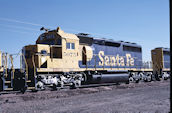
<point x="59" y="59"/>
<point x="161" y="61"/>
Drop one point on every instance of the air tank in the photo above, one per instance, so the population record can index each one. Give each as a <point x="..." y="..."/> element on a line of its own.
<point x="110" y="78"/>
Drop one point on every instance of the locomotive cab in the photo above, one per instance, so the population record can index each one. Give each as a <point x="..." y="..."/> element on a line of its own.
<point x="55" y="51"/>
<point x="54" y="54"/>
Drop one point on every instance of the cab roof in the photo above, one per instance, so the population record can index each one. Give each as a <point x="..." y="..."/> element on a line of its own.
<point x="57" y="33"/>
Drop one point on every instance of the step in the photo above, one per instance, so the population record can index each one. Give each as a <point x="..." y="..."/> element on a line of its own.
<point x="28" y="81"/>
<point x="7" y="82"/>
<point x="8" y="89"/>
<point x="30" y="88"/>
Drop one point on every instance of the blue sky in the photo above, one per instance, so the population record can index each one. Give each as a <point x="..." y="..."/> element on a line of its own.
<point x="145" y="22"/>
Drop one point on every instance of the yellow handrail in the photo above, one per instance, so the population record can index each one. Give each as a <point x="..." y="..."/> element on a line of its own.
<point x="4" y="58"/>
<point x="12" y="66"/>
<point x="26" y="68"/>
<point x="33" y="60"/>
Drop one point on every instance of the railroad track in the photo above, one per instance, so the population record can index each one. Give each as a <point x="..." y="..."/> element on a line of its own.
<point x="98" y="85"/>
<point x="65" y="88"/>
<point x="68" y="87"/>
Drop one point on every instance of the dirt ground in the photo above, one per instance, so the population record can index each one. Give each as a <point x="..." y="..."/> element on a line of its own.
<point x="150" y="97"/>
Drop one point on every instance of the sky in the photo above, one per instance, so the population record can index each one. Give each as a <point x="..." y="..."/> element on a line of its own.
<point x="145" y="22"/>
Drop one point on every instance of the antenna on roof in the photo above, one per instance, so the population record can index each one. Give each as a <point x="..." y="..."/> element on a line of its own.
<point x="84" y="34"/>
<point x="58" y="28"/>
<point x="42" y="28"/>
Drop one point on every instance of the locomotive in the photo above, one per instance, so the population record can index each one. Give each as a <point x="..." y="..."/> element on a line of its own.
<point x="61" y="59"/>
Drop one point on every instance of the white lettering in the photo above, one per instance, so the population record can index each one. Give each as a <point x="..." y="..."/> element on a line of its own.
<point x="113" y="61"/>
<point x="101" y="53"/>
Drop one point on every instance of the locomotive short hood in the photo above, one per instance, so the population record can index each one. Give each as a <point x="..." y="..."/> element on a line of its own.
<point x="51" y="37"/>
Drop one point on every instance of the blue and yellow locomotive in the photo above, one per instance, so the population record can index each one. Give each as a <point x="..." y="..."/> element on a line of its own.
<point x="58" y="59"/>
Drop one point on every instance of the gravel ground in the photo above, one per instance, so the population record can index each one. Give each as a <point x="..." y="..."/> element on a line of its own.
<point x="151" y="97"/>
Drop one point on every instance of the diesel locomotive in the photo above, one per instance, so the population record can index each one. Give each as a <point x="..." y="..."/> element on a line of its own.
<point x="61" y="59"/>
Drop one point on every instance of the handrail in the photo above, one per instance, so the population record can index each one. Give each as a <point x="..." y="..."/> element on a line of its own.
<point x="12" y="66"/>
<point x="6" y="65"/>
<point x="33" y="61"/>
<point x="4" y="60"/>
<point x="26" y="68"/>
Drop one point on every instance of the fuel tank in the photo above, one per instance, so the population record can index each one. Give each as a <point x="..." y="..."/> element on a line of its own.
<point x="110" y="78"/>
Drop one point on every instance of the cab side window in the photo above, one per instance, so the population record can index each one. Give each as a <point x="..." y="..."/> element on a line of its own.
<point x="70" y="45"/>
<point x="73" y="45"/>
<point x="67" y="45"/>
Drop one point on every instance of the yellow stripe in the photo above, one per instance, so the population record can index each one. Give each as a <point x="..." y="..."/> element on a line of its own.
<point x="7" y="82"/>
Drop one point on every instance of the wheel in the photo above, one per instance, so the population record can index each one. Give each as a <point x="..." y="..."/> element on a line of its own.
<point x="131" y="79"/>
<point x="84" y="79"/>
<point x="165" y="76"/>
<point x="157" y="77"/>
<point x="73" y="86"/>
<point x="149" y="78"/>
<point x="145" y="80"/>
<point x="137" y="81"/>
<point x="39" y="86"/>
<point x="76" y="84"/>
<point x="54" y="87"/>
